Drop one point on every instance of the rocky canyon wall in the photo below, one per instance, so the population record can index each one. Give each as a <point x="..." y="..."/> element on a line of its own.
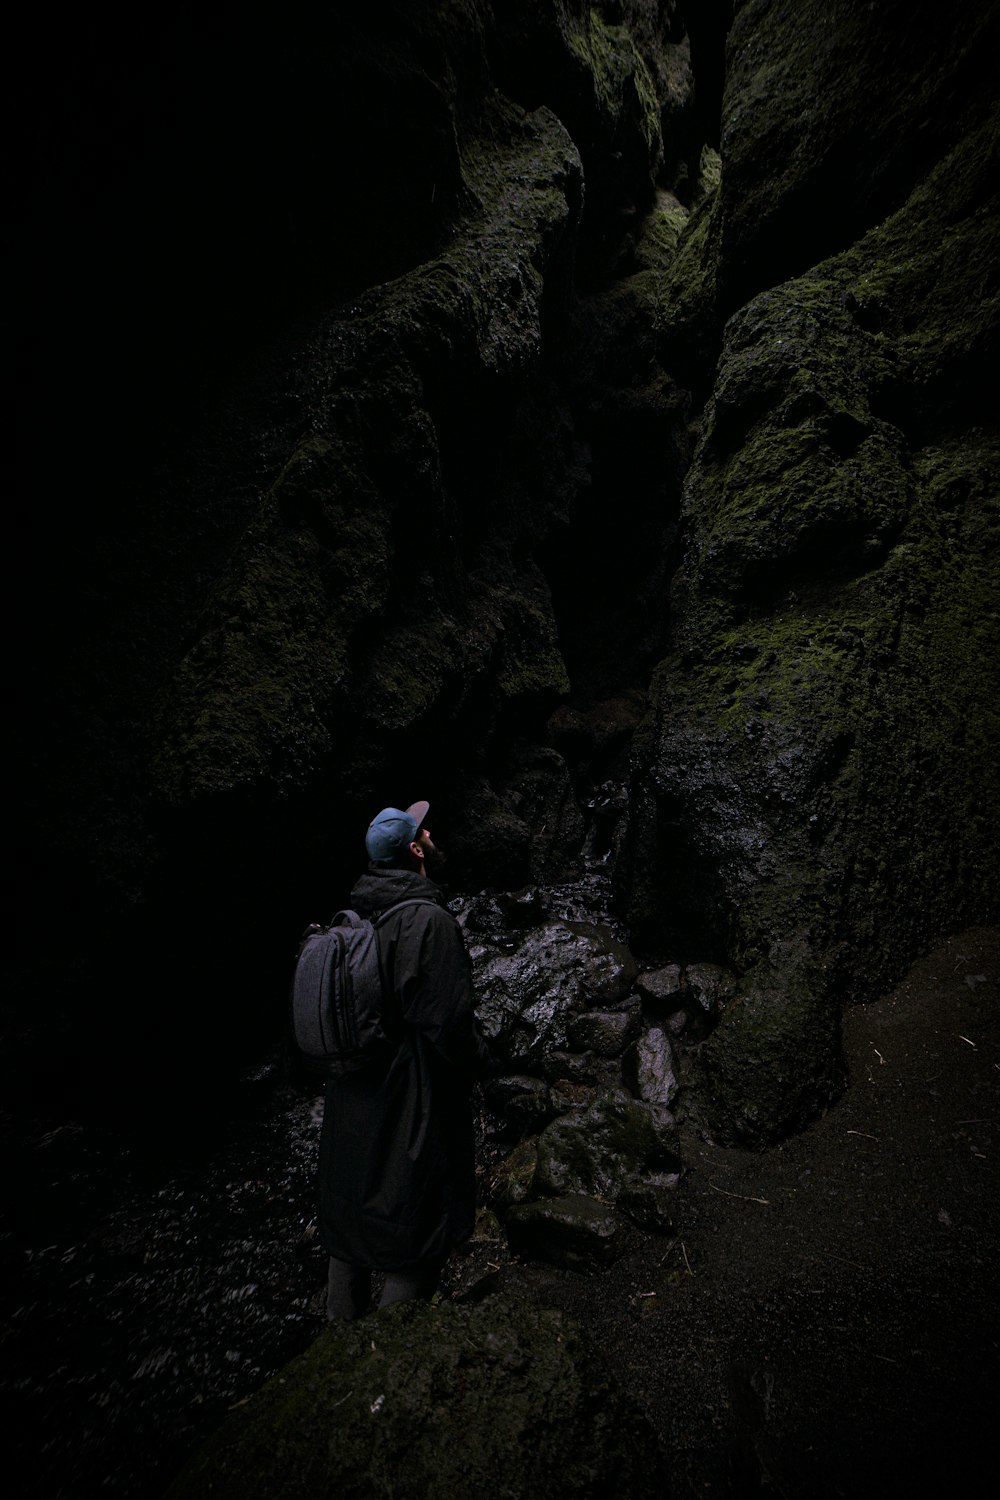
<point x="501" y="404"/>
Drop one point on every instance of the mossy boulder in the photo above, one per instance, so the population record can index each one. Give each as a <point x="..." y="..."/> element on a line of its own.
<point x="774" y="1059"/>
<point x="435" y="1402"/>
<point x="575" y="1231"/>
<point x="594" y="1151"/>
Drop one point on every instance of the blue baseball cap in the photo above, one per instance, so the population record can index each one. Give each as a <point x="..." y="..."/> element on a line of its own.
<point x="392" y="832"/>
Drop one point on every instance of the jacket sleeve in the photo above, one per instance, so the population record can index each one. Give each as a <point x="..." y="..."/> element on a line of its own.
<point x="434" y="981"/>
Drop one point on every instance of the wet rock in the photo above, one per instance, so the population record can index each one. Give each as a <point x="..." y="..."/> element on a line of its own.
<point x="651" y="1068"/>
<point x="566" y="1096"/>
<point x="521" y="1100"/>
<point x="510" y="1180"/>
<point x="607" y="810"/>
<point x="597" y="1151"/>
<point x="604" y="1032"/>
<point x="483" y="918"/>
<point x="528" y="997"/>
<point x="573" y="1067"/>
<point x="651" y="1202"/>
<point x="610" y="975"/>
<point x="442" y="1402"/>
<point x="661" y="987"/>
<point x="572" y="1231"/>
<point x="523" y="908"/>
<point x="709" y="987"/>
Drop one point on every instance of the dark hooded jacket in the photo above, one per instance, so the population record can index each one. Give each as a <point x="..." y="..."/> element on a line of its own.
<point x="397" y="1157"/>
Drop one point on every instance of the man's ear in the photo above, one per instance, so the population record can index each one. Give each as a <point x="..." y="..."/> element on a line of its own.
<point x="417" y="850"/>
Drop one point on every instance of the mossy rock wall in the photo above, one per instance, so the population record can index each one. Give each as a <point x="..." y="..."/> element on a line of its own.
<point x="424" y="1403"/>
<point x="819" y="766"/>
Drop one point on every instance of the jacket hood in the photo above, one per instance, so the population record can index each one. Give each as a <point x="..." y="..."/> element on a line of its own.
<point x="378" y="889"/>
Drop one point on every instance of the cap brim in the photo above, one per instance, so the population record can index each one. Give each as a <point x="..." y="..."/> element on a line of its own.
<point x="418" y="812"/>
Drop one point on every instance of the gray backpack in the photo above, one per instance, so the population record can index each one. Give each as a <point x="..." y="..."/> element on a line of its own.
<point x="337" y="1001"/>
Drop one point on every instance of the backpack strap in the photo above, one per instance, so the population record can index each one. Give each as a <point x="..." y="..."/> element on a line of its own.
<point x="398" y="906"/>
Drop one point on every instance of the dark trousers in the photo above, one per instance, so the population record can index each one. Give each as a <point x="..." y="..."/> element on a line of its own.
<point x="349" y="1288"/>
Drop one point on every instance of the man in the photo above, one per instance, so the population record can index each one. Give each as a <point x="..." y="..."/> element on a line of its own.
<point x="397" y="1164"/>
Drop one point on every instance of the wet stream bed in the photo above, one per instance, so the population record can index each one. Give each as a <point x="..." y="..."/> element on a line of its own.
<point x="141" y="1303"/>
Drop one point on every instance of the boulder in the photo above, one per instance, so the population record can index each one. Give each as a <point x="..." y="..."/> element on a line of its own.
<point x="595" y="1152"/>
<point x="567" y="1096"/>
<point x="651" y="1068"/>
<point x="661" y="987"/>
<point x="606" y="1033"/>
<point x="441" y="1402"/>
<point x="572" y="1067"/>
<point x="774" y="1059"/>
<point x="528" y="997"/>
<point x="709" y="987"/>
<point x="651" y="1202"/>
<point x="572" y="1231"/>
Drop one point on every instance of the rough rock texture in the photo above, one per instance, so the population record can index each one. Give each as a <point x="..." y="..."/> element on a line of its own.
<point x="420" y="385"/>
<point x="815" y="778"/>
<point x="344" y="519"/>
<point x="437" y="1402"/>
<point x="530" y="996"/>
<point x="574" y="1231"/>
<point x="651" y="1068"/>
<point x="595" y="1151"/>
<point x="604" y="1032"/>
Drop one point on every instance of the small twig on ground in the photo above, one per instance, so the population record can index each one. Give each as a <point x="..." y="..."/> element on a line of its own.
<point x="686" y="1261"/>
<point x="341" y="1401"/>
<point x="826" y="1255"/>
<point x="864" y="1133"/>
<point x="670" y="1247"/>
<point x="741" y="1196"/>
<point x="878" y="1055"/>
<point x="972" y="1044"/>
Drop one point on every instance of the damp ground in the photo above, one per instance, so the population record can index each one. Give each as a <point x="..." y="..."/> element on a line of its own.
<point x="821" y="1321"/>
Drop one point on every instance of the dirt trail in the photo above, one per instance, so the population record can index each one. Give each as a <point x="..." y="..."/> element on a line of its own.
<point x="825" y="1321"/>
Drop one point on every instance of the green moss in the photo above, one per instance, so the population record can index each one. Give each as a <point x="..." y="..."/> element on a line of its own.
<point x="314" y="614"/>
<point x="686" y="316"/>
<point x="511" y="1179"/>
<point x="617" y="67"/>
<point x="442" y="1402"/>
<point x="661" y="233"/>
<point x="821" y="758"/>
<point x="774" y="1060"/>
